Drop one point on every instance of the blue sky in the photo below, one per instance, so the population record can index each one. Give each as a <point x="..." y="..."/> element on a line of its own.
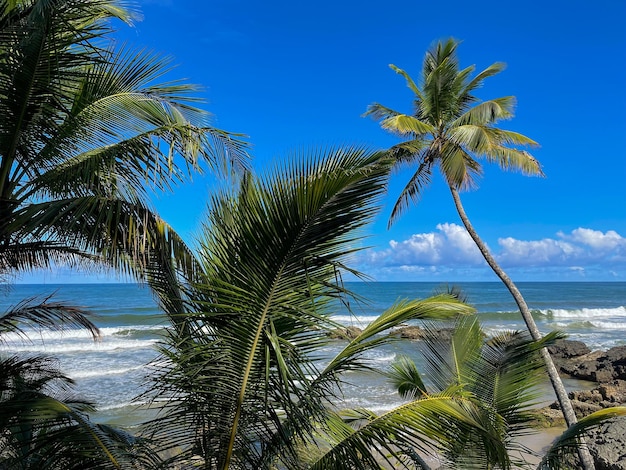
<point x="295" y="75"/>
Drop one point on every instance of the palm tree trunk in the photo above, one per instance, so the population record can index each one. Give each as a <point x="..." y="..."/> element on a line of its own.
<point x="553" y="374"/>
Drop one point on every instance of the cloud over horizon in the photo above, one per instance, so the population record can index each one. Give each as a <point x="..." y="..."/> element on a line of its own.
<point x="450" y="251"/>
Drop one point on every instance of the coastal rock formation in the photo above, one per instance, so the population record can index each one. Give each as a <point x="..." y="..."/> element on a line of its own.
<point x="586" y="402"/>
<point x="607" y="445"/>
<point x="564" y="349"/>
<point x="416" y="333"/>
<point x="348" y="333"/>
<point x="599" y="366"/>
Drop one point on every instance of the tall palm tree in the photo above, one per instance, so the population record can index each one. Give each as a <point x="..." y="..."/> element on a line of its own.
<point x="452" y="129"/>
<point x="243" y="377"/>
<point x="87" y="131"/>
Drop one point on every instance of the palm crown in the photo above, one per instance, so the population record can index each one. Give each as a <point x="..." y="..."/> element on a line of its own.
<point x="451" y="127"/>
<point x="86" y="127"/>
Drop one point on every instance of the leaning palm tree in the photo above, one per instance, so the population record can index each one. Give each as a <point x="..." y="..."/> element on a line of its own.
<point x="244" y="381"/>
<point x="452" y="129"/>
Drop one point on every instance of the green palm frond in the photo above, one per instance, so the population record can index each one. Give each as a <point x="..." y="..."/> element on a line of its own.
<point x="44" y="427"/>
<point x="480" y="77"/>
<point x="406" y="378"/>
<point x="486" y="113"/>
<point x="405" y="125"/>
<point x="83" y="120"/>
<point x="45" y="313"/>
<point x="423" y="427"/>
<point x="414" y="188"/>
<point x="437" y="307"/>
<point x="409" y="81"/>
<point x="508" y="375"/>
<point x="270" y="254"/>
<point x="568" y="442"/>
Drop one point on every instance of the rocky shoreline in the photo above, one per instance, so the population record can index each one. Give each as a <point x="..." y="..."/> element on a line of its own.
<point x="607" y="369"/>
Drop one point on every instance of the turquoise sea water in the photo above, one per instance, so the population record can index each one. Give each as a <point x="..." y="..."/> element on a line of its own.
<point x="111" y="372"/>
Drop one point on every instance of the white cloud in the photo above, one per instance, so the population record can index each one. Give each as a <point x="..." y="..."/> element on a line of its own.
<point x="579" y="248"/>
<point x="449" y="251"/>
<point x="451" y="244"/>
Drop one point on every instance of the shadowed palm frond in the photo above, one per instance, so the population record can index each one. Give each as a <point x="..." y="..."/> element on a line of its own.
<point x="44" y="427"/>
<point x="44" y="313"/>
<point x="405" y="435"/>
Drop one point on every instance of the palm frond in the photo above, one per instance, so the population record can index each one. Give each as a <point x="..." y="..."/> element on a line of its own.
<point x="424" y="427"/>
<point x="437" y="307"/>
<point x="45" y="313"/>
<point x="486" y="113"/>
<point x="478" y="80"/>
<point x="413" y="190"/>
<point x="270" y="253"/>
<point x="458" y="167"/>
<point x="568" y="442"/>
<point x="405" y="378"/>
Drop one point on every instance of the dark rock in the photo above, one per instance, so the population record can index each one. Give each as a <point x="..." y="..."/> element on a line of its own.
<point x="566" y="349"/>
<point x="597" y="366"/>
<point x="586" y="402"/>
<point x="607" y="445"/>
<point x="349" y="332"/>
<point x="416" y="333"/>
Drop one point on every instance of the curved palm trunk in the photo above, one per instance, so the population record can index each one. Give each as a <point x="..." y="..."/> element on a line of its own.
<point x="555" y="379"/>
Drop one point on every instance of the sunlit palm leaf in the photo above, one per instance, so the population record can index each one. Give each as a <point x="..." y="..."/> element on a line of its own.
<point x="424" y="426"/>
<point x="270" y="255"/>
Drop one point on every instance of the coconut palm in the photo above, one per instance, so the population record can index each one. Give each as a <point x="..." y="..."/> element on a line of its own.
<point x="244" y="376"/>
<point x="88" y="131"/>
<point x="452" y="129"/>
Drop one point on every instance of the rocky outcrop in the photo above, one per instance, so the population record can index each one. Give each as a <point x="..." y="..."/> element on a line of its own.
<point x="585" y="402"/>
<point x="565" y="349"/>
<point x="598" y="366"/>
<point x="607" y="445"/>
<point x="417" y="333"/>
<point x="348" y="333"/>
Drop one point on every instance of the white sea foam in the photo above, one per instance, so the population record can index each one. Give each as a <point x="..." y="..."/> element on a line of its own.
<point x="72" y="333"/>
<point x="609" y="325"/>
<point x="586" y="313"/>
<point x="354" y="320"/>
<point x="99" y="373"/>
<point x="71" y="347"/>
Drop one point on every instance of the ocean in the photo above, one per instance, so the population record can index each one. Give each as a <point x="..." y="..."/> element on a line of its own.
<point x="111" y="372"/>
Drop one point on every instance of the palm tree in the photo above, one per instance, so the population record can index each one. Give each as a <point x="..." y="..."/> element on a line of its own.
<point x="452" y="129"/>
<point x="243" y="381"/>
<point x="88" y="130"/>
<point x="43" y="426"/>
<point x="500" y="374"/>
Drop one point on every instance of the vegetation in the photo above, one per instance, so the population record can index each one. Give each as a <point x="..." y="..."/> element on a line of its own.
<point x="88" y="131"/>
<point x="241" y="370"/>
<point x="451" y="129"/>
